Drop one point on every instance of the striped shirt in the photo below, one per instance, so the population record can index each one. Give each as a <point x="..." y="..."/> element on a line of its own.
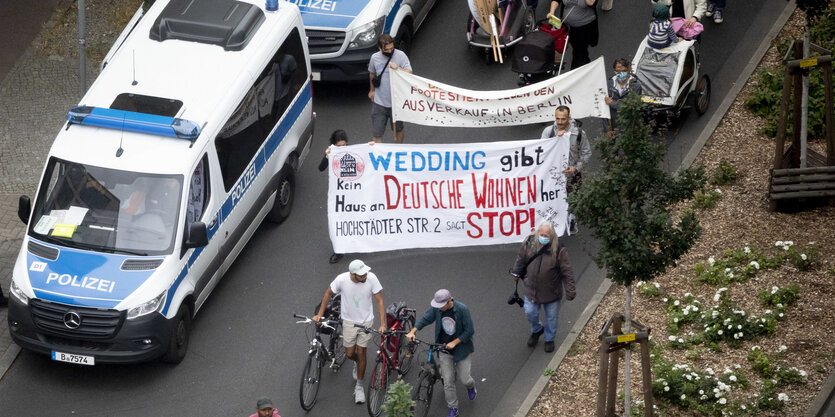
<point x="661" y="34"/>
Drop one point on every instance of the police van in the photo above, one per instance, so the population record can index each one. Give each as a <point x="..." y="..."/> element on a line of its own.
<point x="187" y="140"/>
<point x="342" y="34"/>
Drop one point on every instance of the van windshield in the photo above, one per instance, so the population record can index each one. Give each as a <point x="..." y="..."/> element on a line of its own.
<point x="109" y="210"/>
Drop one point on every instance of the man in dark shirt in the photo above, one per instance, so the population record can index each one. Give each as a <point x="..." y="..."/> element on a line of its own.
<point x="338" y="138"/>
<point x="454" y="328"/>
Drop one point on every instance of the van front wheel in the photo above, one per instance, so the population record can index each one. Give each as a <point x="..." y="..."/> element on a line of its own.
<point x="178" y="337"/>
<point x="284" y="195"/>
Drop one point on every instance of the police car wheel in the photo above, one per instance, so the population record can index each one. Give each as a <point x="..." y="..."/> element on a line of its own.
<point x="284" y="195"/>
<point x="403" y="40"/>
<point x="178" y="338"/>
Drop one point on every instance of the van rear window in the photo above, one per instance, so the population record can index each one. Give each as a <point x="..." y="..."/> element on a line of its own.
<point x="147" y="104"/>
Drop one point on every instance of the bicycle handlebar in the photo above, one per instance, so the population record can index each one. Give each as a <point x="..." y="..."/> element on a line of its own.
<point x="366" y="329"/>
<point x="328" y="323"/>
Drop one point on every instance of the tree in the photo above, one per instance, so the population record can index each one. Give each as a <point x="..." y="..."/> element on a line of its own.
<point x="399" y="401"/>
<point x="627" y="205"/>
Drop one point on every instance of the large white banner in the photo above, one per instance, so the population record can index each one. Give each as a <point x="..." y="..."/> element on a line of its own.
<point x="394" y="196"/>
<point x="422" y="101"/>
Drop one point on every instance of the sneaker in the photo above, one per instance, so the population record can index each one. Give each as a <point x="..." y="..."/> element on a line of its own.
<point x="471" y="393"/>
<point x="549" y="346"/>
<point x="453" y="412"/>
<point x="354" y="372"/>
<point x="532" y="341"/>
<point x="717" y="17"/>
<point x="711" y="7"/>
<point x="359" y="394"/>
<point x="335" y="258"/>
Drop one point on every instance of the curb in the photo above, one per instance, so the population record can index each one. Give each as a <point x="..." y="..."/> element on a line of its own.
<point x="823" y="398"/>
<point x="695" y="149"/>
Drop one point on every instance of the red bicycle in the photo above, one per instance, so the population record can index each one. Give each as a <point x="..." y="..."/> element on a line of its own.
<point x="395" y="353"/>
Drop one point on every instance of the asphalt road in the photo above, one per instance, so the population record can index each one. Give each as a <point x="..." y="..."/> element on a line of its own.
<point x="245" y="343"/>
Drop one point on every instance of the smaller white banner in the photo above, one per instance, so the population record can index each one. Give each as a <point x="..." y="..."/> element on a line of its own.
<point x="422" y="101"/>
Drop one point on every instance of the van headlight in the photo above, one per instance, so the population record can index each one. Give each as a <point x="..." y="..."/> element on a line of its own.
<point x="367" y="34"/>
<point x="148" y="307"/>
<point x="18" y="293"/>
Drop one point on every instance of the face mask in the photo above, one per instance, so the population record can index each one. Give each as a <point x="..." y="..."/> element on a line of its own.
<point x="544" y="240"/>
<point x="622" y="76"/>
<point x="388" y="54"/>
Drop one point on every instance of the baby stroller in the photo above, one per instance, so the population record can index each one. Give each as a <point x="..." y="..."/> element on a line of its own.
<point x="495" y="25"/>
<point x="670" y="76"/>
<point x="539" y="55"/>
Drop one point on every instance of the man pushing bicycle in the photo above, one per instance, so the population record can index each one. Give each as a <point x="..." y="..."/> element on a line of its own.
<point x="357" y="287"/>
<point x="454" y="328"/>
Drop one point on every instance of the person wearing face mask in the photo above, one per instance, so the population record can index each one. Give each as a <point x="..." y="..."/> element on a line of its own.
<point x="621" y="84"/>
<point x="382" y="63"/>
<point x="543" y="265"/>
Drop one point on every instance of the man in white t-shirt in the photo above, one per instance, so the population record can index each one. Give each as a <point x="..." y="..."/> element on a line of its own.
<point x="360" y="290"/>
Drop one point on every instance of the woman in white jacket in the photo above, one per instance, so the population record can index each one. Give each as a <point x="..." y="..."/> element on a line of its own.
<point x="692" y="10"/>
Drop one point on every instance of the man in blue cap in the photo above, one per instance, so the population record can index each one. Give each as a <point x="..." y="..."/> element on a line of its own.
<point x="454" y="328"/>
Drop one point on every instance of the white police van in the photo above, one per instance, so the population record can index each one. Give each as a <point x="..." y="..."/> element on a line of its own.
<point x="190" y="137"/>
<point x="342" y="34"/>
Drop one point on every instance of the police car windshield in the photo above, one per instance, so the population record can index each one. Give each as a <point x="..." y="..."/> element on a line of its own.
<point x="89" y="207"/>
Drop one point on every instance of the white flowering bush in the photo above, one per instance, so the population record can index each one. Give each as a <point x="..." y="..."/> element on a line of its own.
<point x="778" y="296"/>
<point x="649" y="290"/>
<point x="703" y="391"/>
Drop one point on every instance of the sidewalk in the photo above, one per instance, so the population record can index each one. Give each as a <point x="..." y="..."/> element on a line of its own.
<point x="34" y="98"/>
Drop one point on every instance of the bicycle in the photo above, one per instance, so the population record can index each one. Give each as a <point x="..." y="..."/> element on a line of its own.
<point x="394" y="354"/>
<point x="430" y="373"/>
<point x="318" y="354"/>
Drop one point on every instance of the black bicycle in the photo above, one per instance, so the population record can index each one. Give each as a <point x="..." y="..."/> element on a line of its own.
<point x="430" y="373"/>
<point x="320" y="353"/>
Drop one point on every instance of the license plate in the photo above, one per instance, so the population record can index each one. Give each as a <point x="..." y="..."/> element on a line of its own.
<point x="73" y="358"/>
<point x="317" y="76"/>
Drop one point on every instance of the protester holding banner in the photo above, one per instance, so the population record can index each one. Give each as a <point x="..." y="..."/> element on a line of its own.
<point x="621" y="84"/>
<point x="543" y="266"/>
<point x="581" y="18"/>
<point x="382" y="63"/>
<point x="338" y="138"/>
<point x="579" y="151"/>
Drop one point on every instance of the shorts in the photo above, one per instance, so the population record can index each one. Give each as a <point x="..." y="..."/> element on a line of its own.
<point x="380" y="118"/>
<point x="354" y="335"/>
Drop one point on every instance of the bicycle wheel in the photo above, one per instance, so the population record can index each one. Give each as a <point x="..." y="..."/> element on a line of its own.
<point x="377" y="388"/>
<point x="406" y="350"/>
<point x="422" y="395"/>
<point x="311" y="377"/>
<point x="338" y="350"/>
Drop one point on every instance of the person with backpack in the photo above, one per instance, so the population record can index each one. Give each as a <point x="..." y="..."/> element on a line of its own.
<point x="581" y="18"/>
<point x="544" y="268"/>
<point x="566" y="128"/>
<point x="381" y="64"/>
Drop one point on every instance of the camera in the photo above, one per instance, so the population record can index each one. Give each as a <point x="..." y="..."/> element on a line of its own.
<point x="515" y="299"/>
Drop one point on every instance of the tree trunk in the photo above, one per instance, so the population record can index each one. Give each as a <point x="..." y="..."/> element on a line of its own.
<point x="627" y="374"/>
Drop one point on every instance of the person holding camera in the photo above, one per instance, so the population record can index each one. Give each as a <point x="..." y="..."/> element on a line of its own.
<point x="544" y="268"/>
<point x="382" y="62"/>
<point x="453" y="328"/>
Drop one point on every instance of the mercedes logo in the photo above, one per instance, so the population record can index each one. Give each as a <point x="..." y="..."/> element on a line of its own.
<point x="72" y="320"/>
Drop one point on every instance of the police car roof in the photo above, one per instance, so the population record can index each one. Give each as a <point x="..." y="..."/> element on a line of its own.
<point x="209" y="80"/>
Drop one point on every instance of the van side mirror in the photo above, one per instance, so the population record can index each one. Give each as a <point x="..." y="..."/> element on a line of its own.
<point x="197" y="236"/>
<point x="24" y="209"/>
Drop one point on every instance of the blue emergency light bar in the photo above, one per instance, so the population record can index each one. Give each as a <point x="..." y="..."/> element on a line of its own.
<point x="135" y="122"/>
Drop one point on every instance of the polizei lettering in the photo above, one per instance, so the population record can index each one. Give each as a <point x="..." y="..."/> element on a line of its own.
<point x="89" y="283"/>
<point x="243" y="185"/>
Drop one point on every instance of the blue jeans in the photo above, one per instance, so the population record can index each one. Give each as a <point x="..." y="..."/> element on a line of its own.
<point x="720" y="4"/>
<point x="552" y="315"/>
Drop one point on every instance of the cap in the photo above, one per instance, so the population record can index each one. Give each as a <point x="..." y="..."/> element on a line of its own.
<point x="358" y="267"/>
<point x="441" y="298"/>
<point x="264" y="403"/>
